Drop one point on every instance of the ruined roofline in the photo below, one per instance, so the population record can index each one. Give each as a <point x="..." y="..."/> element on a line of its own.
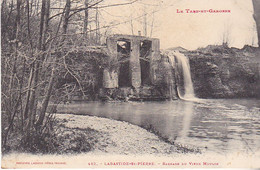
<point x="131" y="37"/>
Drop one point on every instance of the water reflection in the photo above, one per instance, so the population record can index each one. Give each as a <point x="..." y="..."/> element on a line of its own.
<point x="187" y="117"/>
<point x="220" y="125"/>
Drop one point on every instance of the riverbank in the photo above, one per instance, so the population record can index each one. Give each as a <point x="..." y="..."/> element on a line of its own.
<point x="107" y="143"/>
<point x="81" y="133"/>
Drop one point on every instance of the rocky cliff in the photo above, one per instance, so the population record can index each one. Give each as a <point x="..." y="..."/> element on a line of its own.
<point x="222" y="72"/>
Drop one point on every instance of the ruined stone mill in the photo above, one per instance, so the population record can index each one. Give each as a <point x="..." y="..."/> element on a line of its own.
<point x="143" y="72"/>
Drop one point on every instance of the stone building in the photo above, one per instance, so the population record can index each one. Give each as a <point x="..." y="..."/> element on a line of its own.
<point x="142" y="73"/>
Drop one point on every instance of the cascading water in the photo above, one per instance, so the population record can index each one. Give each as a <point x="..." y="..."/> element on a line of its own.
<point x="184" y="67"/>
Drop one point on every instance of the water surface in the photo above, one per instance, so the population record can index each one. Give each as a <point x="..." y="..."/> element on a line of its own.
<point x="219" y="126"/>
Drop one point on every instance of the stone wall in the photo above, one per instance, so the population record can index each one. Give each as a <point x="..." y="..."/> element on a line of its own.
<point x="163" y="86"/>
<point x="162" y="76"/>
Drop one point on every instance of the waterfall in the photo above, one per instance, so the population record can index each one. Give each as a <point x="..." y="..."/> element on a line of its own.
<point x="184" y="67"/>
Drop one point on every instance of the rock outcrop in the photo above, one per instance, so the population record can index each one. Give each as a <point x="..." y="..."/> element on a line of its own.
<point x="222" y="72"/>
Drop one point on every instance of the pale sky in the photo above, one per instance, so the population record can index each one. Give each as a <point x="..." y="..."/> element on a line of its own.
<point x="187" y="30"/>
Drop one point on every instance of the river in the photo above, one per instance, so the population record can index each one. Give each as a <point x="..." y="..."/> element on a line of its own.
<point x="215" y="125"/>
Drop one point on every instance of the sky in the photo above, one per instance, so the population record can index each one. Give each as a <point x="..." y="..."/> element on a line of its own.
<point x="188" y="30"/>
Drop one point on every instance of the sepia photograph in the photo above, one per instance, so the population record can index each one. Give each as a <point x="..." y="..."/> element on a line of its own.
<point x="130" y="84"/>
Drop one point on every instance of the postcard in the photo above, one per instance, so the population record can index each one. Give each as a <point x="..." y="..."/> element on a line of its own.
<point x="130" y="84"/>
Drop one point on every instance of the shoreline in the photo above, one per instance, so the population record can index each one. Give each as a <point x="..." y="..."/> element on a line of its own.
<point x="117" y="144"/>
<point x="118" y="137"/>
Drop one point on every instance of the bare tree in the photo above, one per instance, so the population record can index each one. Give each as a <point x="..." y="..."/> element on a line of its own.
<point x="35" y="36"/>
<point x="85" y="29"/>
<point x="256" y="5"/>
<point x="226" y="35"/>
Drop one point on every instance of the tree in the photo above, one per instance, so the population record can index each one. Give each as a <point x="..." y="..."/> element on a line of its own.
<point x="85" y="29"/>
<point x="256" y="5"/>
<point x="36" y="36"/>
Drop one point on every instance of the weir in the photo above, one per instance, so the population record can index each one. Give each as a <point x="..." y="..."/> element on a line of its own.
<point x="144" y="73"/>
